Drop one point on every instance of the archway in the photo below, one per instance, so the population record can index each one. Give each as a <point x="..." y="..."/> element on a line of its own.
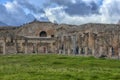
<point x="43" y="34"/>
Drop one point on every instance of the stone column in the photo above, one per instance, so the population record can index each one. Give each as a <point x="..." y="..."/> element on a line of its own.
<point x="118" y="53"/>
<point x="35" y="47"/>
<point x="86" y="50"/>
<point x="100" y="51"/>
<point x="69" y="45"/>
<point x="93" y="52"/>
<point x="64" y="51"/>
<point x="46" y="50"/>
<point x="16" y="46"/>
<point x="62" y="44"/>
<point x="110" y="52"/>
<point x="68" y="51"/>
<point x="74" y="43"/>
<point x="52" y="48"/>
<point x="59" y="47"/>
<point x="79" y="51"/>
<point x="26" y="46"/>
<point x="65" y="44"/>
<point x="60" y="51"/>
<point x="4" y="48"/>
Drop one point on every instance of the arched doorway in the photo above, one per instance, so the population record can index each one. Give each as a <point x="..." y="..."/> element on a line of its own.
<point x="43" y="34"/>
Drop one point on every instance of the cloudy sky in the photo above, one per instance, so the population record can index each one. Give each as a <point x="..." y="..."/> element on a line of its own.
<point x="18" y="12"/>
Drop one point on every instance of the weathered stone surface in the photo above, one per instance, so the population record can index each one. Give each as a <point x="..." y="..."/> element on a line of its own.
<point x="45" y="37"/>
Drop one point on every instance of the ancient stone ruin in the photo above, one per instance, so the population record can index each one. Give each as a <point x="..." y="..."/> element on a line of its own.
<point x="45" y="37"/>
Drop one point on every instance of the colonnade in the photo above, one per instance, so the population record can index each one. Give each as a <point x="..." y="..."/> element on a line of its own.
<point x="86" y="44"/>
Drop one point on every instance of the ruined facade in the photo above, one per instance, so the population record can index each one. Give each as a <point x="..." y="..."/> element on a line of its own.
<point x="45" y="37"/>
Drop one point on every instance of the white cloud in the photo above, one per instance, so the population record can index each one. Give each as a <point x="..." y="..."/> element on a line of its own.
<point x="14" y="14"/>
<point x="66" y="11"/>
<point x="12" y="7"/>
<point x="109" y="13"/>
<point x="54" y="14"/>
<point x="58" y="15"/>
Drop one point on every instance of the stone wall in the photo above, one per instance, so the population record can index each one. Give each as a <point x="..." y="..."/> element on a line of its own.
<point x="34" y="29"/>
<point x="92" y="39"/>
<point x="88" y="39"/>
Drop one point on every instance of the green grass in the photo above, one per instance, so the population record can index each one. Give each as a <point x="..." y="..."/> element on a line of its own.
<point x="57" y="67"/>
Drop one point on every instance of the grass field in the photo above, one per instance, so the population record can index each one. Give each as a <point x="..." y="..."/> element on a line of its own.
<point x="57" y="67"/>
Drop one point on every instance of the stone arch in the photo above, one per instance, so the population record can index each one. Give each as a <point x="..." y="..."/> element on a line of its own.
<point x="43" y="34"/>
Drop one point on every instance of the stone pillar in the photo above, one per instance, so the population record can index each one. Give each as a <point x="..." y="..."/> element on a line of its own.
<point x="79" y="51"/>
<point x="52" y="48"/>
<point x="86" y="50"/>
<point x="74" y="44"/>
<point x="68" y="51"/>
<point x="68" y="45"/>
<point x="4" y="48"/>
<point x="21" y="46"/>
<point x="118" y="53"/>
<point x="46" y="50"/>
<point x="35" y="47"/>
<point x="62" y="44"/>
<point x="58" y="47"/>
<point x="110" y="52"/>
<point x="100" y="51"/>
<point x="16" y="46"/>
<point x="93" y="52"/>
<point x="64" y="51"/>
<point x="60" y="51"/>
<point x="26" y="47"/>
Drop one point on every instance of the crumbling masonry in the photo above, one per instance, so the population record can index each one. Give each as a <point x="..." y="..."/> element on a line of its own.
<point x="45" y="37"/>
